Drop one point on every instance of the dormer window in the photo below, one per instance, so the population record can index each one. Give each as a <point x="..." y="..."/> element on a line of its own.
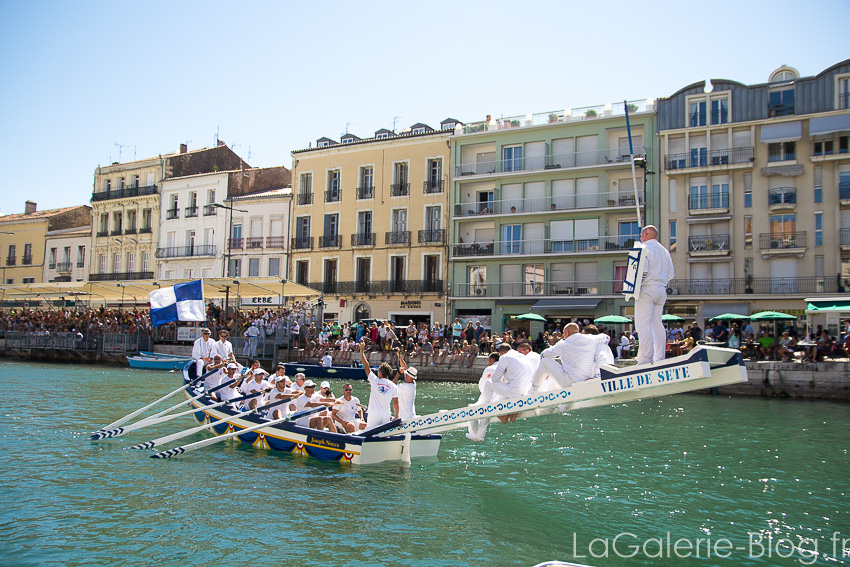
<point x="323" y="144"/>
<point x="419" y="130"/>
<point x="696" y="113"/>
<point x="347" y="140"/>
<point x="382" y="136"/>
<point x="781" y="96"/>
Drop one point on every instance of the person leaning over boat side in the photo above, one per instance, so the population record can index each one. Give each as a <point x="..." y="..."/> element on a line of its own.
<point x="581" y="354"/>
<point x="223" y="346"/>
<point x="383" y="395"/>
<point x="649" y="306"/>
<point x="311" y="399"/>
<point x="203" y="350"/>
<point x="406" y="391"/>
<point x="327" y="360"/>
<point x="347" y="412"/>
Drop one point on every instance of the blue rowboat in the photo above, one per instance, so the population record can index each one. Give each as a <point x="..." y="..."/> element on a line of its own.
<point x="159" y="362"/>
<point x="316" y="370"/>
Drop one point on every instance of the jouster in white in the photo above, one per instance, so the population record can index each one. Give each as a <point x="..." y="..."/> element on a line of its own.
<point x="649" y="307"/>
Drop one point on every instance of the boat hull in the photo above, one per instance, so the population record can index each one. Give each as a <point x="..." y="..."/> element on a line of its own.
<point x="157" y="363"/>
<point x="311" y="370"/>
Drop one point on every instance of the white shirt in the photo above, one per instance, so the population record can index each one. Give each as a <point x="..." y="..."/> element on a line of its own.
<point x="658" y="266"/>
<point x="224" y="348"/>
<point x="277" y="395"/>
<point x="228" y="393"/>
<point x="327" y="361"/>
<point x="381" y="399"/>
<point x="581" y="355"/>
<point x="213" y="380"/>
<point x="346" y="410"/>
<point x="251" y="386"/>
<point x="203" y="348"/>
<point x="301" y="405"/>
<point x="488" y="372"/>
<point x="516" y="370"/>
<point x="406" y="400"/>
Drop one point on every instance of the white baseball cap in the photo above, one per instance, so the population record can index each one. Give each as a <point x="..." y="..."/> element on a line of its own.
<point x="326" y="384"/>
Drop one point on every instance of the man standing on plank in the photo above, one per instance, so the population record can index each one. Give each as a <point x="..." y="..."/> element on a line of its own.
<point x="658" y="271"/>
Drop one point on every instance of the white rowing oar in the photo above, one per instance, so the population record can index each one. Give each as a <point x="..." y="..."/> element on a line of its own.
<point x="130" y="416"/>
<point x="203" y="443"/>
<point x="179" y="435"/>
<point x="156" y="419"/>
<point x="108" y="434"/>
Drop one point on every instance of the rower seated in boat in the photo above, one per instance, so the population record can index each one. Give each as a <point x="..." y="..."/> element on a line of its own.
<point x="282" y="390"/>
<point x="257" y="382"/>
<point x="348" y="413"/>
<point x="312" y="399"/>
<point x="231" y="391"/>
<point x="216" y="378"/>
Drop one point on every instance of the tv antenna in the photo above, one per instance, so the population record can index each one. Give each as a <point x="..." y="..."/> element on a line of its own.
<point x="120" y="148"/>
<point x="395" y="121"/>
<point x="347" y="124"/>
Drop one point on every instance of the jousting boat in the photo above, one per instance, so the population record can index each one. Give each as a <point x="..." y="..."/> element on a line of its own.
<point x="702" y="368"/>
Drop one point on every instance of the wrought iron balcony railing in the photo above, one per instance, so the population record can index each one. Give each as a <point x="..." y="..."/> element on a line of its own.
<point x="130" y="231"/>
<point x="122" y="193"/>
<point x="545" y="246"/>
<point x="145" y="230"/>
<point x="548" y="204"/>
<point x="366" y="192"/>
<point x="101" y="233"/>
<point x="254" y="242"/>
<point x="305" y="198"/>
<point x="63" y="267"/>
<point x="334" y="241"/>
<point x="302" y="243"/>
<point x="26" y="261"/>
<point x="116" y="232"/>
<point x="399" y="237"/>
<point x="433" y="236"/>
<point x="333" y="195"/>
<point x="209" y="210"/>
<point x="81" y="264"/>
<point x="10" y="260"/>
<point x="782" y="196"/>
<point x="363" y="239"/>
<point x="430" y="187"/>
<point x="275" y="241"/>
<point x="705" y="158"/>
<point x="235" y="243"/>
<point x="844" y="237"/>
<point x="191" y="212"/>
<point x="778" y="241"/>
<point x="381" y="287"/>
<point x="400" y="189"/>
<point x="171" y="214"/>
<point x="709" y="243"/>
<point x="757" y="286"/>
<point x="713" y="201"/>
<point x="119" y="276"/>
<point x="186" y="251"/>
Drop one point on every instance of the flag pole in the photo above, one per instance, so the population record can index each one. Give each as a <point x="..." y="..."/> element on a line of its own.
<point x="632" y="161"/>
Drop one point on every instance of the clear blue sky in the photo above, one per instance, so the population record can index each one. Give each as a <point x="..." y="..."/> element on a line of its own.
<point x="79" y="77"/>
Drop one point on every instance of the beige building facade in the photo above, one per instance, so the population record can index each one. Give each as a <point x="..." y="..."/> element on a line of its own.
<point x="66" y="254"/>
<point x="369" y="224"/>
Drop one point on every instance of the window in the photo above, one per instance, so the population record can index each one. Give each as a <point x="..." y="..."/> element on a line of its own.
<point x="131" y="220"/>
<point x="364" y="222"/>
<point x="330" y="274"/>
<point x="748" y="191"/>
<point x="780" y="102"/>
<point x="477" y="280"/>
<point x="333" y="193"/>
<point x="819" y="228"/>
<point x="696" y="114"/>
<point x="116" y="223"/>
<point x="399" y="220"/>
<point x="121" y="183"/>
<point x="51" y="259"/>
<point x="719" y="111"/>
<point x="719" y="196"/>
<point x="672" y="236"/>
<point x="512" y="158"/>
<point x="66" y="255"/>
<point x="748" y="231"/>
<point x="146" y="220"/>
<point x="188" y="273"/>
<point x="818" y="184"/>
<point x="81" y="256"/>
<point x="367" y="183"/>
<point x="699" y="157"/>
<point x="432" y="218"/>
<point x="435" y="174"/>
<point x="781" y="151"/>
<point x="253" y="267"/>
<point x="146" y="261"/>
<point x="135" y="181"/>
<point x="382" y="136"/>
<point x="485" y="202"/>
<point x="131" y="262"/>
<point x="102" y="264"/>
<point x="27" y="280"/>
<point x="104" y="223"/>
<point x="533" y="279"/>
<point x="235" y="268"/>
<point x="783" y="225"/>
<point x="629" y="233"/>
<point x="330" y="235"/>
<point x="305" y="187"/>
<point x="302" y="232"/>
<point x="116" y="263"/>
<point x="698" y="198"/>
<point x="302" y="271"/>
<point x="210" y="196"/>
<point x="27" y="254"/>
<point x="823" y="148"/>
<point x="401" y="180"/>
<point x="274" y="267"/>
<point x="511" y="239"/>
<point x="107" y="185"/>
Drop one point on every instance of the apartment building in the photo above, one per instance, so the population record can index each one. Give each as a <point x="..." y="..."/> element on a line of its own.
<point x="544" y="210"/>
<point x="370" y="219"/>
<point x="126" y="208"/>
<point x="755" y="191"/>
<point x="259" y="240"/>
<point x="23" y="237"/>
<point x="66" y="254"/>
<point x="196" y="218"/>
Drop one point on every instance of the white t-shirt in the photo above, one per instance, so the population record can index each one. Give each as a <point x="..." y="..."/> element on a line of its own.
<point x="327" y="361"/>
<point x="203" y="348"/>
<point x="347" y="409"/>
<point x="228" y="393"/>
<point x="381" y="400"/>
<point x="225" y="349"/>
<point x="214" y="379"/>
<point x="277" y="395"/>
<point x="406" y="400"/>
<point x="301" y="405"/>
<point x="251" y="386"/>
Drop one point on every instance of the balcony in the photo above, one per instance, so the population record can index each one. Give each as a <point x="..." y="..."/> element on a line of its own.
<point x="537" y="247"/>
<point x="844" y="193"/>
<point x="363" y="239"/>
<point x="782" y="198"/>
<point x="235" y="243"/>
<point x="81" y="264"/>
<point x="119" y="276"/>
<point x="431" y="187"/>
<point x="209" y="210"/>
<point x="116" y="232"/>
<point x="305" y="198"/>
<point x="275" y="242"/>
<point x="51" y="265"/>
<point x="537" y="289"/>
<point x="101" y="233"/>
<point x="10" y="260"/>
<point x="302" y="243"/>
<point x="333" y="196"/>
<point x="754" y="286"/>
<point x="789" y="242"/>
<point x="130" y="231"/>
<point x="172" y="214"/>
<point x="26" y="261"/>
<point x="401" y="237"/>
<point x="385" y="287"/>
<point x="63" y="267"/>
<point x="548" y="204"/>
<point x="714" y="158"/>
<point x="709" y="245"/>
<point x="186" y="251"/>
<point x="610" y="157"/>
<point x="145" y="230"/>
<point x="123" y="193"/>
<point x="254" y="243"/>
<point x="191" y="212"/>
<point x="716" y="203"/>
<point x="367" y="192"/>
<point x="844" y="239"/>
<point x="399" y="189"/>
<point x="823" y="149"/>
<point x="333" y="241"/>
<point x="433" y="236"/>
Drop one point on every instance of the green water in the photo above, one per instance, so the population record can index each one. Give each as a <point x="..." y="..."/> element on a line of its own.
<point x="715" y="468"/>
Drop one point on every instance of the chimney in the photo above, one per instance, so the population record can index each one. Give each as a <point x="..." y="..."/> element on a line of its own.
<point x="29" y="207"/>
<point x="183" y="148"/>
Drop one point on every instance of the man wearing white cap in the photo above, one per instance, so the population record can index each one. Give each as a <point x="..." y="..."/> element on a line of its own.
<point x="311" y="399"/>
<point x="232" y="391"/>
<point x="406" y="391"/>
<point x="257" y="383"/>
<point x="281" y="391"/>
<point x="383" y="398"/>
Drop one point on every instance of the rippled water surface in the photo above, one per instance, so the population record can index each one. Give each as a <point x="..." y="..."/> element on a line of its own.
<point x="692" y="466"/>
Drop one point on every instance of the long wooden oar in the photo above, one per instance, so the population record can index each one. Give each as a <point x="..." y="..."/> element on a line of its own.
<point x="107" y="434"/>
<point x="179" y="435"/>
<point x="203" y="443"/>
<point x="130" y="416"/>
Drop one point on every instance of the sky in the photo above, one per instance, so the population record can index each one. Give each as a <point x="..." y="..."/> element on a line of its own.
<point x="88" y="83"/>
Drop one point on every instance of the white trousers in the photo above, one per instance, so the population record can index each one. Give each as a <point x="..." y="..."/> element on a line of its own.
<point x="557" y="372"/>
<point x="648" y="310"/>
<point x="199" y="367"/>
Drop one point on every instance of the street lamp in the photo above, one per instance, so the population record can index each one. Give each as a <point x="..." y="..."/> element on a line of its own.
<point x="121" y="305"/>
<point x="229" y="231"/>
<point x="640" y="161"/>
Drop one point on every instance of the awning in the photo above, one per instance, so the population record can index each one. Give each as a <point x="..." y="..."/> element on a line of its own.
<point x="710" y="310"/>
<point x="829" y="124"/>
<point x="783" y="132"/>
<point x="821" y="305"/>
<point x="574" y="304"/>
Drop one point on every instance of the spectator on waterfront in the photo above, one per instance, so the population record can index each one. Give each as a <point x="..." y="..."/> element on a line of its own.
<point x="625" y="343"/>
<point x="822" y="348"/>
<point x="765" y="343"/>
<point x="327" y="360"/>
<point x="786" y="347"/>
<point x="734" y="337"/>
<point x="456" y="330"/>
<point x="747" y="333"/>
